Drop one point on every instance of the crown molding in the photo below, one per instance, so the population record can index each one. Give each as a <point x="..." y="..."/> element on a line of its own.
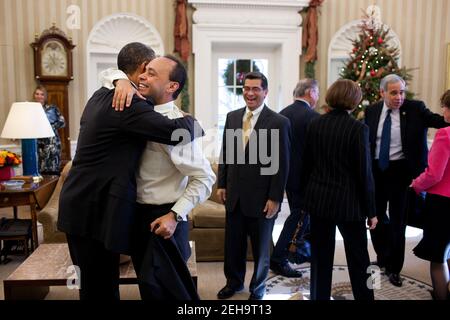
<point x="248" y="13"/>
<point x="251" y="3"/>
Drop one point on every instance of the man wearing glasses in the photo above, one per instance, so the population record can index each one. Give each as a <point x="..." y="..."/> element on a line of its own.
<point x="253" y="171"/>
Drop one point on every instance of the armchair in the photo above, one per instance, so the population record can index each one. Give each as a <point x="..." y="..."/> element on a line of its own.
<point x="48" y="216"/>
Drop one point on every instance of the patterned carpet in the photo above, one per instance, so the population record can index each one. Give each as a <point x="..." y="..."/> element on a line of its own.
<point x="282" y="288"/>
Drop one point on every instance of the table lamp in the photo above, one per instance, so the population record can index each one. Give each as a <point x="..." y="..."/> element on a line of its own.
<point x="28" y="121"/>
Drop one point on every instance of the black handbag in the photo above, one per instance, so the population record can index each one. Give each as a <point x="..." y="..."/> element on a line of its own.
<point x="299" y="248"/>
<point x="415" y="208"/>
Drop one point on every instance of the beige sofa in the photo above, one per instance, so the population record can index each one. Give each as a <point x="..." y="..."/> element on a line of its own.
<point x="208" y="228"/>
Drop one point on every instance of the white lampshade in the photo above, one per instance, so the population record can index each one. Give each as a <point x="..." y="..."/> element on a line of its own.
<point x="27" y="120"/>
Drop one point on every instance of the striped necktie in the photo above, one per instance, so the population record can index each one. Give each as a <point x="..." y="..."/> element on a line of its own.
<point x="246" y="128"/>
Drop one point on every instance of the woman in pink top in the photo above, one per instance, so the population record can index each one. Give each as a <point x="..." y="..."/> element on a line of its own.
<point x="435" y="180"/>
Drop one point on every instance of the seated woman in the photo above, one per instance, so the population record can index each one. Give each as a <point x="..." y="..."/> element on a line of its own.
<point x="49" y="149"/>
<point x="435" y="180"/>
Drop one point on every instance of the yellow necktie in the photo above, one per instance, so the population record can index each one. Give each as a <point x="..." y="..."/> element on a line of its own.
<point x="246" y="128"/>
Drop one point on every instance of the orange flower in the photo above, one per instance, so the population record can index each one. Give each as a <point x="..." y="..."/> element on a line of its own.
<point x="8" y="158"/>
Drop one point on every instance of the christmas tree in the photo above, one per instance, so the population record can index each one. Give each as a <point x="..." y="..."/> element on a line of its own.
<point x="371" y="59"/>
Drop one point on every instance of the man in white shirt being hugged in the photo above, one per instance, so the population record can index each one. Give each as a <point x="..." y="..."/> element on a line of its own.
<point x="171" y="181"/>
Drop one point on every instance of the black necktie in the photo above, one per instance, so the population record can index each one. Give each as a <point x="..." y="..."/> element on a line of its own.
<point x="385" y="144"/>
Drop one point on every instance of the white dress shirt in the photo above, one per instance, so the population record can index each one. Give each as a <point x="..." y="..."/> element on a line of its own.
<point x="179" y="174"/>
<point x="395" y="150"/>
<point x="168" y="174"/>
<point x="255" y="117"/>
<point x="108" y="76"/>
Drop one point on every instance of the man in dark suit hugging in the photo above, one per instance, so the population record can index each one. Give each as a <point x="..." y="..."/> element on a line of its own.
<point x="97" y="202"/>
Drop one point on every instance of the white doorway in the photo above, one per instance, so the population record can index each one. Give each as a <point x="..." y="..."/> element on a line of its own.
<point x="229" y="66"/>
<point x="243" y="30"/>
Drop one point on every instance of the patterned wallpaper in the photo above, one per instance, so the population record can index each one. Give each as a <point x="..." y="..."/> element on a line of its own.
<point x="20" y="20"/>
<point x="423" y="27"/>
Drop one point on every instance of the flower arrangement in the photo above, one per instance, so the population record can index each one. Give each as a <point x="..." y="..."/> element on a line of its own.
<point x="9" y="159"/>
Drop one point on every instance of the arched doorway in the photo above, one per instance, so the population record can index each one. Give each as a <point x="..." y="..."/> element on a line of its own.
<point x="107" y="38"/>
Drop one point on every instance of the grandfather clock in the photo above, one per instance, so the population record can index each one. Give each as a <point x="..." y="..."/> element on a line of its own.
<point x="53" y="68"/>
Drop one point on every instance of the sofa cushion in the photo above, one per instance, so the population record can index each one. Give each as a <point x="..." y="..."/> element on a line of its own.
<point x="209" y="214"/>
<point x="213" y="196"/>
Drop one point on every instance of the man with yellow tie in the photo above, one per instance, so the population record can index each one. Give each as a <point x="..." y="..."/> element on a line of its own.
<point x="252" y="176"/>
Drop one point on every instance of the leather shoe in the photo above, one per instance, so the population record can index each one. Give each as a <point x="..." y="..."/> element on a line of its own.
<point x="255" y="297"/>
<point x="285" y="270"/>
<point x="395" y="279"/>
<point x="226" y="292"/>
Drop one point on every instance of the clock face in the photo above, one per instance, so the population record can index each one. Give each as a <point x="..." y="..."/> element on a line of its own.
<point x="53" y="59"/>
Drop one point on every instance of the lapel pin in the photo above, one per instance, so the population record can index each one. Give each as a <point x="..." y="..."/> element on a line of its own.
<point x="404" y="113"/>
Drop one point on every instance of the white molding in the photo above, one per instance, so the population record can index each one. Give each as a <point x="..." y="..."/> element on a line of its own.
<point x="113" y="32"/>
<point x="341" y="44"/>
<point x="246" y="25"/>
<point x="246" y="13"/>
<point x="234" y="16"/>
<point x="109" y="35"/>
<point x="250" y="3"/>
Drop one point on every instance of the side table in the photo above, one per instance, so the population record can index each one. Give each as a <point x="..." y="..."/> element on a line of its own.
<point x="35" y="195"/>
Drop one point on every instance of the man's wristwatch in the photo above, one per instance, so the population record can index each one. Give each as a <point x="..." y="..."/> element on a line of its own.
<point x="177" y="217"/>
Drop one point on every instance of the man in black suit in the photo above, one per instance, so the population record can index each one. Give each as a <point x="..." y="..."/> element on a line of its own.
<point x="97" y="202"/>
<point x="251" y="180"/>
<point x="398" y="141"/>
<point x="300" y="114"/>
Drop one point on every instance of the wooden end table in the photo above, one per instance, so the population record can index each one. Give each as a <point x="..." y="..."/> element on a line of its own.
<point x="35" y="195"/>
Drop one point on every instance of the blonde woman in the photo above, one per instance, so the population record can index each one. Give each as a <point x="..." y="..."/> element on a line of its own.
<point x="49" y="149"/>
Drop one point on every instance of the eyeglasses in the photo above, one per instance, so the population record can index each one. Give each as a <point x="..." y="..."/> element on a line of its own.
<point x="254" y="89"/>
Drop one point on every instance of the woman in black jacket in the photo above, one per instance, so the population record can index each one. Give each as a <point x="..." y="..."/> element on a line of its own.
<point x="338" y="190"/>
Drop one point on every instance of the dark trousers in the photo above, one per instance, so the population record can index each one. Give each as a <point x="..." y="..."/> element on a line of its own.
<point x="99" y="268"/>
<point x="279" y="254"/>
<point x="323" y="233"/>
<point x="388" y="237"/>
<point x="237" y="228"/>
<point x="145" y="214"/>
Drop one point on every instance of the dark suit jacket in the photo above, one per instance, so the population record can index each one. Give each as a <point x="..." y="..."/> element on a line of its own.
<point x="244" y="182"/>
<point x="337" y="182"/>
<point x="98" y="197"/>
<point x="300" y="115"/>
<point x="166" y="273"/>
<point x="415" y="119"/>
